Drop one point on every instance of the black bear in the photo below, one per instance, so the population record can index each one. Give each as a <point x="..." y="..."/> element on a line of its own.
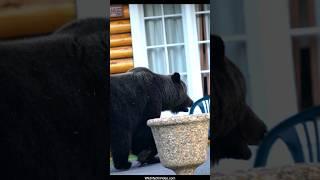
<point x="53" y="100"/>
<point x="234" y="125"/>
<point x="137" y="96"/>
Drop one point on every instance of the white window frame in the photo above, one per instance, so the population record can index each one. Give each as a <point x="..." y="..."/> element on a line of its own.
<point x="140" y="56"/>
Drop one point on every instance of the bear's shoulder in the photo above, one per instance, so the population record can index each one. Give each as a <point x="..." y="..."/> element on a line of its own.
<point x="136" y="74"/>
<point x="83" y="26"/>
<point x="140" y="69"/>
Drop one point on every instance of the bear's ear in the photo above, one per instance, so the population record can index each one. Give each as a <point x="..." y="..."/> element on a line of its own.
<point x="176" y="77"/>
<point x="218" y="52"/>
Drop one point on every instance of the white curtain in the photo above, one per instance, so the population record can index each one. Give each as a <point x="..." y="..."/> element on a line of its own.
<point x="154" y="32"/>
<point x="152" y="10"/>
<point x="174" y="30"/>
<point x="156" y="58"/>
<point x="228" y="17"/>
<point x="228" y="20"/>
<point x="172" y="9"/>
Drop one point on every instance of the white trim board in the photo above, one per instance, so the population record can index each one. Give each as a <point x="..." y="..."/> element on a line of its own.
<point x="140" y="57"/>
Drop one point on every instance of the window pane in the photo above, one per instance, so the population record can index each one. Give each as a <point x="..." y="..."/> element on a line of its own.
<point x="204" y="56"/>
<point x="172" y="9"/>
<point x="306" y="53"/>
<point x="154" y="32"/>
<point x="236" y="52"/>
<point x="152" y="10"/>
<point x="205" y="83"/>
<point x="203" y="26"/>
<point x="304" y="13"/>
<point x="184" y="78"/>
<point x="177" y="59"/>
<point x="202" y="7"/>
<point x="157" y="61"/>
<point x="208" y="52"/>
<point x="174" y="31"/>
<point x="206" y="7"/>
<point x="228" y="17"/>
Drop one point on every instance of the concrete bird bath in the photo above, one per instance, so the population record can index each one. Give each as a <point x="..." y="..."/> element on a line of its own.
<point x="182" y="141"/>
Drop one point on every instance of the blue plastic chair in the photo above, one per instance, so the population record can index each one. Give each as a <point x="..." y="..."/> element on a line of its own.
<point x="287" y="132"/>
<point x="203" y="104"/>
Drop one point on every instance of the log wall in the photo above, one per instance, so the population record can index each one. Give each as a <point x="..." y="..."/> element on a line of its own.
<point x="34" y="19"/>
<point x="121" y="55"/>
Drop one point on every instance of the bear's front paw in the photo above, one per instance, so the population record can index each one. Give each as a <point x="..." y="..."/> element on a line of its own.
<point x="144" y="156"/>
<point x="153" y="160"/>
<point x="123" y="166"/>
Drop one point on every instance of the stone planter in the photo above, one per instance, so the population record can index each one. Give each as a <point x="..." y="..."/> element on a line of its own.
<point x="182" y="141"/>
<point x="298" y="171"/>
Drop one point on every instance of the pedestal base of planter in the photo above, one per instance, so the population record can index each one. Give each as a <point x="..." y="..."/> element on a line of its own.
<point x="185" y="171"/>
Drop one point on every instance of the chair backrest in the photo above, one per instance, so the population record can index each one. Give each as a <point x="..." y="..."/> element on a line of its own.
<point x="203" y="104"/>
<point x="287" y="132"/>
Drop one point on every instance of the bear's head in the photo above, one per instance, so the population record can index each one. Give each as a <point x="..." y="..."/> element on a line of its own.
<point x="234" y="124"/>
<point x="181" y="101"/>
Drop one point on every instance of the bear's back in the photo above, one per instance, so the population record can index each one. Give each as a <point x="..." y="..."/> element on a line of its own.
<point x="135" y="81"/>
<point x="127" y="87"/>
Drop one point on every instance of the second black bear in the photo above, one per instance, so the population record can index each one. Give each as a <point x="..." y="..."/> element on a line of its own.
<point x="234" y="124"/>
<point x="53" y="98"/>
<point x="137" y="96"/>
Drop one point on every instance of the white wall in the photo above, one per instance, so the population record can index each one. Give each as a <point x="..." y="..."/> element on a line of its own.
<point x="92" y="8"/>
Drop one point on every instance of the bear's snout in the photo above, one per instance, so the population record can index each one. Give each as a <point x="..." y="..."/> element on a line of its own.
<point x="188" y="103"/>
<point x="261" y="132"/>
<point x="183" y="107"/>
<point x="253" y="128"/>
<point x="256" y="135"/>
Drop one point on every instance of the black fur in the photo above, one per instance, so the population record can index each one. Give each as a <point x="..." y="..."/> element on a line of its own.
<point x="137" y="96"/>
<point x="53" y="99"/>
<point x="234" y="125"/>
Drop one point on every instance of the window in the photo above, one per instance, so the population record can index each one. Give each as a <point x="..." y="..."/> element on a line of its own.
<point x="203" y="29"/>
<point x="305" y="31"/>
<point x="276" y="46"/>
<point x="171" y="38"/>
<point x="165" y="41"/>
<point x="234" y="34"/>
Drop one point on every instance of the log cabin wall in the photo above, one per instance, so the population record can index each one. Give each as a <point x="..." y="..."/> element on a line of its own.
<point x="28" y="18"/>
<point x="121" y="55"/>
